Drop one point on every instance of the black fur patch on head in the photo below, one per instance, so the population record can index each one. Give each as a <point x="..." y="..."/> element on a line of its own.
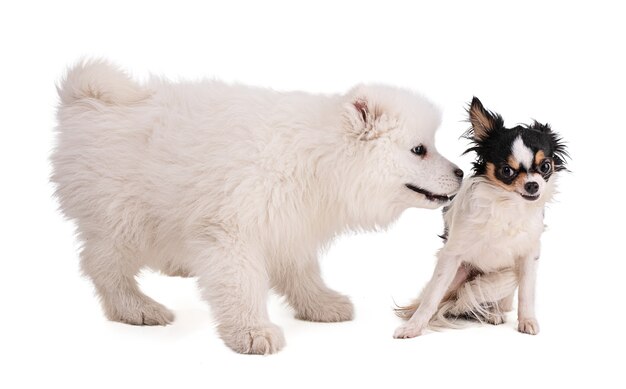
<point x="495" y="146"/>
<point x="558" y="148"/>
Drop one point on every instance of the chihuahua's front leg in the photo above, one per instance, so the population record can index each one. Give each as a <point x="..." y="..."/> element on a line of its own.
<point x="445" y="270"/>
<point x="527" y="273"/>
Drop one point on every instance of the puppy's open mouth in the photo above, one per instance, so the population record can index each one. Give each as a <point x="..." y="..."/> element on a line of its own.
<point x="529" y="197"/>
<point x="429" y="195"/>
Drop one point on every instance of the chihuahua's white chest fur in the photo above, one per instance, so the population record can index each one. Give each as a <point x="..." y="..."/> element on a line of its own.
<point x="490" y="228"/>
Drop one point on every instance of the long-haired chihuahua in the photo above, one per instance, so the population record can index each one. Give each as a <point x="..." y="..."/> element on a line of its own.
<point x="492" y="228"/>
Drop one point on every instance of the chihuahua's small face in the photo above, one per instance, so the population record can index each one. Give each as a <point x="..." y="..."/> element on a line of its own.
<point x="520" y="159"/>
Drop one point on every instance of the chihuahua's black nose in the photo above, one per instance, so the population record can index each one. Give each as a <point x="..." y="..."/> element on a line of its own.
<point x="458" y="172"/>
<point x="531" y="187"/>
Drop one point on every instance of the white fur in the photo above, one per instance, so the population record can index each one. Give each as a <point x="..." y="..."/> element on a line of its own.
<point x="497" y="232"/>
<point x="238" y="186"/>
<point x="522" y="153"/>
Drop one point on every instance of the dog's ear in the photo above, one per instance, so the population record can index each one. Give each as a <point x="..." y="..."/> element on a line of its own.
<point x="365" y="119"/>
<point x="482" y="120"/>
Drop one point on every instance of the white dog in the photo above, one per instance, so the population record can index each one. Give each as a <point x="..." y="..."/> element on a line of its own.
<point x="238" y="186"/>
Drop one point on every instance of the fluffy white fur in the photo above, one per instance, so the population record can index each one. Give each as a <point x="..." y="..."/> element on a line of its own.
<point x="497" y="232"/>
<point x="238" y="186"/>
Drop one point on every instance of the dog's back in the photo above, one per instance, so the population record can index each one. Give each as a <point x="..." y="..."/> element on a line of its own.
<point x="146" y="164"/>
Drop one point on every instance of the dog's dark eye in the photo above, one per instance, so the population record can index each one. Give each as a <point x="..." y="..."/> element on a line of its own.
<point x="507" y="171"/>
<point x="545" y="167"/>
<point x="419" y="150"/>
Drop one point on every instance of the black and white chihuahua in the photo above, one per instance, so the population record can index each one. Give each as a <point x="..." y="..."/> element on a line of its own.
<point x="492" y="228"/>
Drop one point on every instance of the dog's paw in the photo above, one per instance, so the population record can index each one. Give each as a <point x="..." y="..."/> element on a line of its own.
<point x="528" y="326"/>
<point x="330" y="307"/>
<point x="408" y="330"/>
<point x="264" y="339"/>
<point x="496" y="319"/>
<point x="140" y="312"/>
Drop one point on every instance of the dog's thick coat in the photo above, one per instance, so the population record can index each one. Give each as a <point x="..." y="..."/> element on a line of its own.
<point x="238" y="186"/>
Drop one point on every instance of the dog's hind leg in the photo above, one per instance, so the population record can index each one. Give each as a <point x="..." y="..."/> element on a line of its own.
<point x="481" y="297"/>
<point x="301" y="283"/>
<point x="497" y="313"/>
<point x="112" y="268"/>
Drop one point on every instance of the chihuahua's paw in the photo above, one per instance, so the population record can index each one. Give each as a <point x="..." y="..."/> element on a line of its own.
<point x="528" y="326"/>
<point x="408" y="330"/>
<point x="496" y="319"/>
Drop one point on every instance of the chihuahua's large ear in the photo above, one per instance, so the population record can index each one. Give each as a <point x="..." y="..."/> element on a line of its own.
<point x="482" y="120"/>
<point x="365" y="119"/>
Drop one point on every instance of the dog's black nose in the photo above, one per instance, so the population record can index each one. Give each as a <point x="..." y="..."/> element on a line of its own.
<point x="458" y="173"/>
<point x="531" y="187"/>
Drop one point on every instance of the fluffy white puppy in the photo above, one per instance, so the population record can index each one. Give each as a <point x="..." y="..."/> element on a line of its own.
<point x="240" y="187"/>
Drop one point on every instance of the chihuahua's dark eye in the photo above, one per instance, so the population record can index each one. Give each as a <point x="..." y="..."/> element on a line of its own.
<point x="507" y="171"/>
<point x="419" y="150"/>
<point x="545" y="167"/>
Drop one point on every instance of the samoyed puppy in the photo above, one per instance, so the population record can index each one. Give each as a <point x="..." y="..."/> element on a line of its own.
<point x="238" y="186"/>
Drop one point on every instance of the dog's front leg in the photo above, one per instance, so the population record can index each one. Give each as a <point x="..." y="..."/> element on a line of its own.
<point x="527" y="273"/>
<point x="446" y="268"/>
<point x="234" y="281"/>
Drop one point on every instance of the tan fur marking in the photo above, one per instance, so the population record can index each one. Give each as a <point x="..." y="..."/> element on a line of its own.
<point x="513" y="163"/>
<point x="491" y="175"/>
<point x="540" y="156"/>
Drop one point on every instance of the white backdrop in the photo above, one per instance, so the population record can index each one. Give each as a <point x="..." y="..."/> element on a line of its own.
<point x="561" y="63"/>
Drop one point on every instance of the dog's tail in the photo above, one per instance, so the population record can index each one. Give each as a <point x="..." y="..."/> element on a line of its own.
<point x="100" y="80"/>
<point x="480" y="299"/>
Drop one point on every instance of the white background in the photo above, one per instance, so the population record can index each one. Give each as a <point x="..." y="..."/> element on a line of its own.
<point x="561" y="63"/>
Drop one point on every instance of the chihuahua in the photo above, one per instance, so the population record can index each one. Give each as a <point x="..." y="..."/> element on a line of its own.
<point x="492" y="228"/>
